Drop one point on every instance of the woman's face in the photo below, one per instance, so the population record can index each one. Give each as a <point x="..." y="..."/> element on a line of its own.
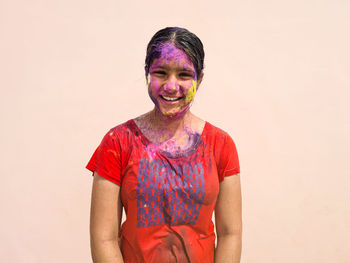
<point x="172" y="82"/>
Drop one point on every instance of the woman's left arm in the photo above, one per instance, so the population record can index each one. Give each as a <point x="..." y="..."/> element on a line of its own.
<point x="228" y="221"/>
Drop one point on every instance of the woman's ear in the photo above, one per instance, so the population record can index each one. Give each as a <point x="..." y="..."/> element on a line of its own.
<point x="200" y="80"/>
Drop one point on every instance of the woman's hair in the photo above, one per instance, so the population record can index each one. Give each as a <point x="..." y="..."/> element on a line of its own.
<point x="180" y="38"/>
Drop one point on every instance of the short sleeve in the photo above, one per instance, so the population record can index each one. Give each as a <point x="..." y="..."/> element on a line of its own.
<point x="106" y="160"/>
<point x="228" y="160"/>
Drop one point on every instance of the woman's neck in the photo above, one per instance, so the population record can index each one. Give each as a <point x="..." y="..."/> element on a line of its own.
<point x="168" y="123"/>
<point x="159" y="128"/>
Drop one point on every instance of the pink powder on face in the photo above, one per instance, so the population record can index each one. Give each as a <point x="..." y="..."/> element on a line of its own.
<point x="171" y="61"/>
<point x="171" y="53"/>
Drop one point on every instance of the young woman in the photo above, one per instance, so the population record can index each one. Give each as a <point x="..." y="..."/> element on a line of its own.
<point x="169" y="169"/>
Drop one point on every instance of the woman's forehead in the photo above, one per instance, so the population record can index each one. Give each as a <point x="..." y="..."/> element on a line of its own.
<point x="169" y="54"/>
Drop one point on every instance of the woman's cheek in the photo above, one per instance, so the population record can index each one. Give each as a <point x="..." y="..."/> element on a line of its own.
<point x="153" y="90"/>
<point x="153" y="84"/>
<point x="191" y="92"/>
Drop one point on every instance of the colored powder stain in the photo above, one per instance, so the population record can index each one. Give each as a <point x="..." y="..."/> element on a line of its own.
<point x="148" y="79"/>
<point x="191" y="92"/>
<point x="113" y="152"/>
<point x="169" y="52"/>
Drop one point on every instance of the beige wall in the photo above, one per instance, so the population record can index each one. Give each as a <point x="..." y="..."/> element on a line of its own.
<point x="276" y="78"/>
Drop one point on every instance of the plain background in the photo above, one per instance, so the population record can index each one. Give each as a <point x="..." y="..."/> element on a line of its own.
<point x="276" y="79"/>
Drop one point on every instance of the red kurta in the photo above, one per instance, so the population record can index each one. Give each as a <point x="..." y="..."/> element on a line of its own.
<point x="169" y="198"/>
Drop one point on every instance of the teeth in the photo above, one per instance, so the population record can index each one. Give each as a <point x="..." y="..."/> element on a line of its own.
<point x="168" y="98"/>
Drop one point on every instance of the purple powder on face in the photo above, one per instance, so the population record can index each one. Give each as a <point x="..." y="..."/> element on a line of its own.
<point x="167" y="52"/>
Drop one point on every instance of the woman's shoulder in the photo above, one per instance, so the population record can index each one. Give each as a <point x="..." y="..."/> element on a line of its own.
<point x="222" y="142"/>
<point x="122" y="126"/>
<point x="122" y="129"/>
<point x="216" y="131"/>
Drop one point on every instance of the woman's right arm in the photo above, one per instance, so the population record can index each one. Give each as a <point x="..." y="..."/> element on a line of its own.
<point x="105" y="219"/>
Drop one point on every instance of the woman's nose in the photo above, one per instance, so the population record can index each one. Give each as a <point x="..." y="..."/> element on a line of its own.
<point x="171" y="85"/>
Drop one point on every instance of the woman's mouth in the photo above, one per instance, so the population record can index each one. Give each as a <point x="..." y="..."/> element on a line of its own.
<point x="170" y="99"/>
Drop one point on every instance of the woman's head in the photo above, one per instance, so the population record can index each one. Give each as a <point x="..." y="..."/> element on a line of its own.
<point x="174" y="65"/>
<point x="180" y="38"/>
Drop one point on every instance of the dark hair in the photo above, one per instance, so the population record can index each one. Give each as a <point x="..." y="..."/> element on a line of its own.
<point x="180" y="38"/>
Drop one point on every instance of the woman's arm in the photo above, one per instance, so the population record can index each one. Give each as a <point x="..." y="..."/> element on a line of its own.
<point x="228" y="221"/>
<point x="105" y="218"/>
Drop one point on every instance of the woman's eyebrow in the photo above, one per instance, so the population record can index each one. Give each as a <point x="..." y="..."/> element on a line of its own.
<point x="187" y="69"/>
<point x="178" y="68"/>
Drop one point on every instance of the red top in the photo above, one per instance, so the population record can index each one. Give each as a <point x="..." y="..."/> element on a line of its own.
<point x="168" y="198"/>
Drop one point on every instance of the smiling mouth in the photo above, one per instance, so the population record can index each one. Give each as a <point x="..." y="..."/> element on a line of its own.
<point x="170" y="98"/>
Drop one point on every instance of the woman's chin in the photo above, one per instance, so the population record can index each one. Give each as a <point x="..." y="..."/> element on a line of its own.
<point x="174" y="113"/>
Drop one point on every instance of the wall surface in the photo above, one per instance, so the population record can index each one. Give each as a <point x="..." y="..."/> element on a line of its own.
<point x="276" y="79"/>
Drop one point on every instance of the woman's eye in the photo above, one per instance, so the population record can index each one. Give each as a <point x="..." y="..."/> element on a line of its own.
<point x="186" y="75"/>
<point x="159" y="72"/>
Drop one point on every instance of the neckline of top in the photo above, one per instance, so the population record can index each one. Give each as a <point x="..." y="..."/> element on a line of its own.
<point x="185" y="153"/>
